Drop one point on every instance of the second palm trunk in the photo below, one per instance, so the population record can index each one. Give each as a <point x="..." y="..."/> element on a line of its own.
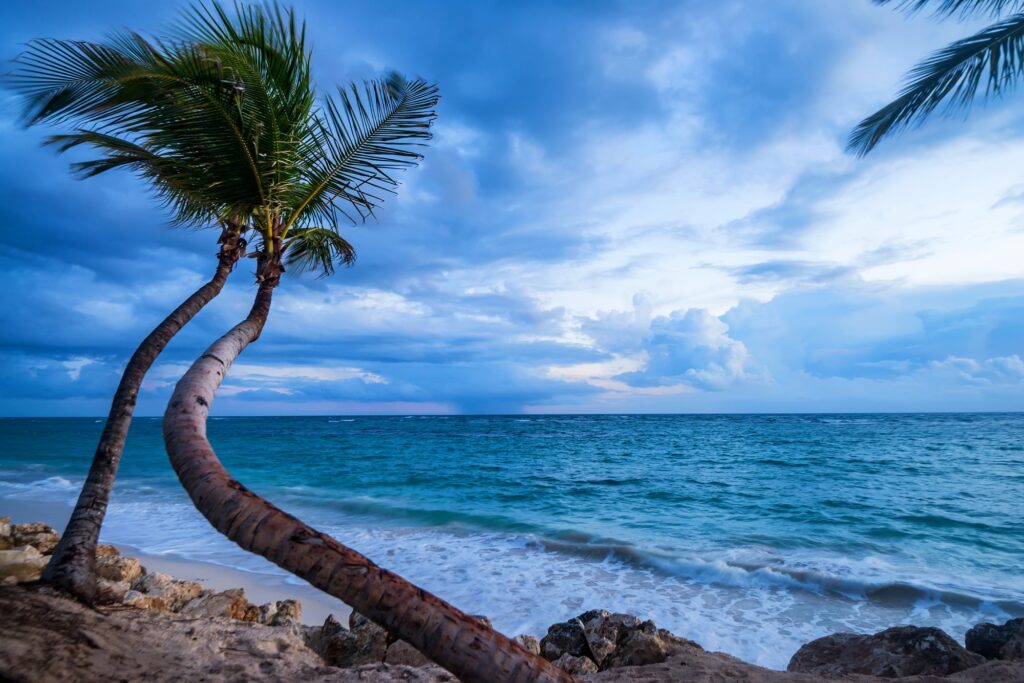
<point x="453" y="639"/>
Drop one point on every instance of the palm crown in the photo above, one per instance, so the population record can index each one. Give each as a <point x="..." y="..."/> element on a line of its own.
<point x="992" y="59"/>
<point x="222" y="118"/>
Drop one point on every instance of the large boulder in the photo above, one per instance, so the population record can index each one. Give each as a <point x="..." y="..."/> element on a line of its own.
<point x="36" y="534"/>
<point x="893" y="653"/>
<point x="612" y="640"/>
<point x="990" y="640"/>
<point x="567" y="637"/>
<point x="21" y="564"/>
<point x="230" y="604"/>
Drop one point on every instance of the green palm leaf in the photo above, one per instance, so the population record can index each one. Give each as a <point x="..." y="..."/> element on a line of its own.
<point x="318" y="249"/>
<point x="360" y="137"/>
<point x="993" y="57"/>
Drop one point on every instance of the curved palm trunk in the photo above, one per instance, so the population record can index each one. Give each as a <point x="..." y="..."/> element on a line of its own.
<point x="456" y="641"/>
<point x="72" y="567"/>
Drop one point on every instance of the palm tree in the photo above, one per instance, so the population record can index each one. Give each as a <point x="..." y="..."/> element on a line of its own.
<point x="150" y="108"/>
<point x="336" y="164"/>
<point x="993" y="56"/>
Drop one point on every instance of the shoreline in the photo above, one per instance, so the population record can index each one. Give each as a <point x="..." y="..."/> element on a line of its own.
<point x="156" y="627"/>
<point x="259" y="587"/>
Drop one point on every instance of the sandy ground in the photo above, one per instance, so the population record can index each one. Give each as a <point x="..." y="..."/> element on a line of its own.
<point x="259" y="588"/>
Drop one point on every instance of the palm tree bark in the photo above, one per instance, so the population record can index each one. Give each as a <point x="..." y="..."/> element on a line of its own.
<point x="453" y="639"/>
<point x="72" y="568"/>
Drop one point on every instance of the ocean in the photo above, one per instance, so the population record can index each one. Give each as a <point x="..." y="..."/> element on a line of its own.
<point x="750" y="534"/>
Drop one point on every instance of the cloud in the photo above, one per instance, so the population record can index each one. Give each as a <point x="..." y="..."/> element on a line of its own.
<point x="625" y="207"/>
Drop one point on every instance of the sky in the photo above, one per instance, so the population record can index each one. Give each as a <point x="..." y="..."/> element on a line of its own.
<point x="627" y="207"/>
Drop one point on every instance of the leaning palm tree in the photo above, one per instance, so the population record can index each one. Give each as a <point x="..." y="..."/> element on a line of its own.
<point x="159" y="109"/>
<point x="992" y="58"/>
<point x="336" y="166"/>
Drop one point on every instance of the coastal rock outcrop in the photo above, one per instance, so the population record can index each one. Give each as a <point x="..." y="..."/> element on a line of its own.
<point x="997" y="642"/>
<point x="163" y="590"/>
<point x="611" y="640"/>
<point x="118" y="568"/>
<point x="36" y="534"/>
<point x="893" y="653"/>
<point x="362" y="643"/>
<point x="230" y="604"/>
<point x="281" y="613"/>
<point x="21" y="564"/>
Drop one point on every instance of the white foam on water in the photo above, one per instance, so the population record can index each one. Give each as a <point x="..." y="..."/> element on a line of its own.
<point x="761" y="616"/>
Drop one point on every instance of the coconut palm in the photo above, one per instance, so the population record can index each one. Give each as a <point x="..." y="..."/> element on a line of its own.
<point x="337" y="165"/>
<point x="992" y="58"/>
<point x="152" y="108"/>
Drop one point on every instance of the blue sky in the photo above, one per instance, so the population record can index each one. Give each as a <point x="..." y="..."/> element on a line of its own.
<point x="627" y="207"/>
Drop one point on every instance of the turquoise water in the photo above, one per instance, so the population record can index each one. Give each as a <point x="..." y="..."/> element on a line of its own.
<point x="749" y="534"/>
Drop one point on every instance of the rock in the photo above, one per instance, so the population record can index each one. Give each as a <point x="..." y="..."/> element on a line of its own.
<point x="365" y="643"/>
<point x="104" y="550"/>
<point x="281" y="613"/>
<point x="21" y="564"/>
<point x="648" y="645"/>
<point x="6" y="537"/>
<point x="112" y="592"/>
<point x="893" y="653"/>
<point x="230" y="604"/>
<point x="118" y="568"/>
<point x="529" y="642"/>
<point x="612" y="640"/>
<point x="36" y="534"/>
<point x="567" y="637"/>
<point x="401" y="652"/>
<point x="988" y="640"/>
<point x="603" y="632"/>
<point x="174" y="594"/>
<point x="134" y="598"/>
<point x="575" y="665"/>
<point x="1013" y="650"/>
<point x="371" y="641"/>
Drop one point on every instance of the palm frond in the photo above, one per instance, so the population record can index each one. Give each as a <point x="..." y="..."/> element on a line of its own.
<point x="318" y="249"/>
<point x="963" y="9"/>
<point x="953" y="75"/>
<point x="173" y="180"/>
<point x="362" y="136"/>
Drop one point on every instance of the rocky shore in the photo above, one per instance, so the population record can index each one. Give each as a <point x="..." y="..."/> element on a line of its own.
<point x="150" y="626"/>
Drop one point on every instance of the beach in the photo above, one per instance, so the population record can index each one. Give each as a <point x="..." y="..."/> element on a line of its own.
<point x="259" y="588"/>
<point x="751" y="535"/>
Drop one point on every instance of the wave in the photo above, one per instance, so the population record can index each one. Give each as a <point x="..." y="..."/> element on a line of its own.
<point x="720" y="572"/>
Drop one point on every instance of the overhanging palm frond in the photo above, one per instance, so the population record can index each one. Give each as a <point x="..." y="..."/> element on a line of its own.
<point x="961" y="8"/>
<point x="993" y="56"/>
<point x="318" y="249"/>
<point x="360" y="138"/>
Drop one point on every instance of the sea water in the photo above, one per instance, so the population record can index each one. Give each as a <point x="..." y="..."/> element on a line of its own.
<point x="749" y="534"/>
